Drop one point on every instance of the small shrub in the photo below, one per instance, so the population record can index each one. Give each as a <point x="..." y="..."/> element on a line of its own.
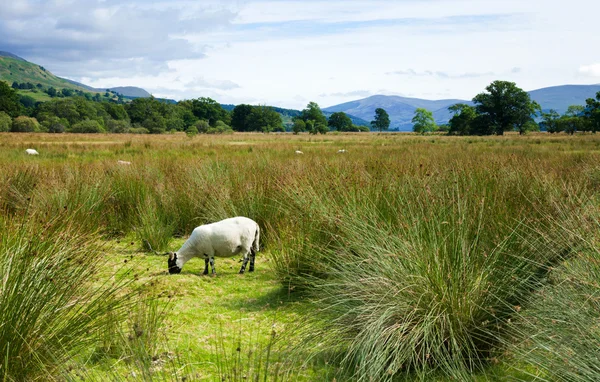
<point x="87" y="126"/>
<point x="24" y="124"/>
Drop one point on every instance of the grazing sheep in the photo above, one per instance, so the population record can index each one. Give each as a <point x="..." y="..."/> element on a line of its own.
<point x="226" y="238"/>
<point x="32" y="152"/>
<point x="342" y="151"/>
<point x="124" y="162"/>
<point x="299" y="152"/>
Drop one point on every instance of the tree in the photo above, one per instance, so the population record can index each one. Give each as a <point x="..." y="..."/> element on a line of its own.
<point x="51" y="91"/>
<point x="313" y="113"/>
<point x="550" y="121"/>
<point x="5" y="122"/>
<point x="423" y="121"/>
<point x="340" y="121"/>
<point x="66" y="92"/>
<point x="9" y="100"/>
<point x="592" y="112"/>
<point x="506" y="106"/>
<point x="382" y="120"/>
<point x="239" y="117"/>
<point x="24" y="124"/>
<point x="263" y="118"/>
<point x="462" y="121"/>
<point x="573" y="120"/>
<point x="299" y="126"/>
<point x="27" y="101"/>
<point x="208" y="109"/>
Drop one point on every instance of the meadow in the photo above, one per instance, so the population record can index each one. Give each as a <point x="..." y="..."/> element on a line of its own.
<point x="406" y="258"/>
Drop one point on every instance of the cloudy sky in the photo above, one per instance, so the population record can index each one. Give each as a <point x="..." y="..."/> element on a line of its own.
<point x="287" y="53"/>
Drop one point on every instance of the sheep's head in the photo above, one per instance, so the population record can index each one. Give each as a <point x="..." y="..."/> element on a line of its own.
<point x="173" y="268"/>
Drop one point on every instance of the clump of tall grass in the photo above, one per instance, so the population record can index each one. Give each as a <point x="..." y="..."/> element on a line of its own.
<point x="51" y="305"/>
<point x="152" y="230"/>
<point x="422" y="280"/>
<point x="557" y="333"/>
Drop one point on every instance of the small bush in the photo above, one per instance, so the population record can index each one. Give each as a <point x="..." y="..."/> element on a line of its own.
<point x="24" y="124"/>
<point x="87" y="126"/>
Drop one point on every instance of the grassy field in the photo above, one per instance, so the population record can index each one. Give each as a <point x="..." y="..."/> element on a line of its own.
<point x="406" y="258"/>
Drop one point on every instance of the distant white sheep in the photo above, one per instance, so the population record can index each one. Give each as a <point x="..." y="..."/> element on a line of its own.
<point x="299" y="152"/>
<point x="32" y="152"/>
<point x="226" y="238"/>
<point x="124" y="162"/>
<point x="342" y="151"/>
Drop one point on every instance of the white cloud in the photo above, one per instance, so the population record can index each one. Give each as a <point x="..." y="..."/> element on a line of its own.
<point x="592" y="70"/>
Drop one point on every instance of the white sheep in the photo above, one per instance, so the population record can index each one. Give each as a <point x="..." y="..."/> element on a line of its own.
<point x="124" y="162"/>
<point x="226" y="238"/>
<point x="299" y="152"/>
<point x="32" y="152"/>
<point x="342" y="151"/>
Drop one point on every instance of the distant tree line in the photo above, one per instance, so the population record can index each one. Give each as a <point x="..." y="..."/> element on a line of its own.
<point x="80" y="112"/>
<point x="505" y="107"/>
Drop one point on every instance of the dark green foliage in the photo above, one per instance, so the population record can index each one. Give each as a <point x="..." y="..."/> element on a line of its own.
<point x="462" y="121"/>
<point x="592" y="112"/>
<point x="28" y="102"/>
<point x="382" y="120"/>
<point x="53" y="124"/>
<point x="340" y="121"/>
<point x="207" y="109"/>
<point x="118" y="126"/>
<point x="315" y="120"/>
<point x="5" y="122"/>
<point x="239" y="117"/>
<point x="264" y="119"/>
<point x="9" y="100"/>
<point x="506" y="106"/>
<point x="51" y="91"/>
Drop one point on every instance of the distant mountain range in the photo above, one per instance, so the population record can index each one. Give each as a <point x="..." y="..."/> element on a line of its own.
<point x="400" y="109"/>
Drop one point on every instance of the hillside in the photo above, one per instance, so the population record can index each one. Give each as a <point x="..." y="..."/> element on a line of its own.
<point x="19" y="70"/>
<point x="14" y="68"/>
<point x="401" y="109"/>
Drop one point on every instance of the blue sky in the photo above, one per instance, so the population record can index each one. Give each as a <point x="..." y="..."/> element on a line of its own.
<point x="287" y="53"/>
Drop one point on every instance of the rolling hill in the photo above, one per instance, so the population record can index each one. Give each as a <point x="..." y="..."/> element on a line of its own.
<point x="402" y="109"/>
<point x="14" y="68"/>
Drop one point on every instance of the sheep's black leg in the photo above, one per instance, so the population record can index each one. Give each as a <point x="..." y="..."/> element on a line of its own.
<point x="212" y="265"/>
<point x="205" y="266"/>
<point x="244" y="264"/>
<point x="252" y="257"/>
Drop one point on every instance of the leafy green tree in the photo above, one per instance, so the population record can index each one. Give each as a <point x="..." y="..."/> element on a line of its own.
<point x="66" y="92"/>
<point x="382" y="120"/>
<point x="299" y="126"/>
<point x="263" y="118"/>
<point x="573" y="120"/>
<point x="462" y="121"/>
<point x="239" y="117"/>
<point x="51" y="91"/>
<point x="9" y="100"/>
<point x="115" y="111"/>
<point x="5" y="122"/>
<point x="592" y="112"/>
<point x="15" y="85"/>
<point x="340" y="121"/>
<point x="210" y="110"/>
<point x="155" y="124"/>
<point x="313" y="113"/>
<point x="550" y="121"/>
<point x="24" y="124"/>
<point x="506" y="106"/>
<point x="220" y="128"/>
<point x="53" y="124"/>
<point x="423" y="121"/>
